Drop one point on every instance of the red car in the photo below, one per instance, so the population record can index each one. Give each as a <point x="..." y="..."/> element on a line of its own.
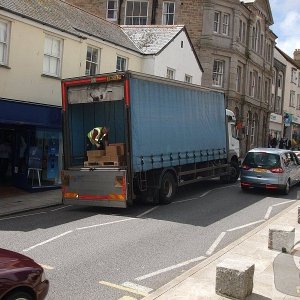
<point x="21" y="277"/>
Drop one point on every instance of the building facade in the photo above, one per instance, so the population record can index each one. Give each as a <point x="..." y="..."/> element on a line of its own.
<point x="42" y="42"/>
<point x="290" y="88"/>
<point x="233" y="41"/>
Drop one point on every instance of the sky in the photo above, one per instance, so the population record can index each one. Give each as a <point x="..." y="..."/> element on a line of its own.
<point x="286" y="17"/>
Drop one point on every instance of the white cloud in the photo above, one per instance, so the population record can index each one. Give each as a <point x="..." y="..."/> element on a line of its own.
<point x="286" y="15"/>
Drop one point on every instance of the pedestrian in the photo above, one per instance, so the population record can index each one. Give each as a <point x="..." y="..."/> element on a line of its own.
<point x="288" y="144"/>
<point x="273" y="142"/>
<point x="281" y="144"/>
<point x="97" y="138"/>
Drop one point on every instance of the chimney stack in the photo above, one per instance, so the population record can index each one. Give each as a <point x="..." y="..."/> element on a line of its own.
<point x="297" y="56"/>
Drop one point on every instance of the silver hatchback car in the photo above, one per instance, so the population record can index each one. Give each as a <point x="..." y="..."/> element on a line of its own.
<point x="270" y="168"/>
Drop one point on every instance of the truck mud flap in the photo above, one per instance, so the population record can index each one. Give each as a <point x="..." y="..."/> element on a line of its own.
<point x="97" y="187"/>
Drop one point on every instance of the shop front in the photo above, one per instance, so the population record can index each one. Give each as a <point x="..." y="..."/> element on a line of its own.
<point x="30" y="145"/>
<point x="275" y="126"/>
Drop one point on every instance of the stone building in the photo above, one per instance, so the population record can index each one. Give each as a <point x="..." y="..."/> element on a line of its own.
<point x="233" y="41"/>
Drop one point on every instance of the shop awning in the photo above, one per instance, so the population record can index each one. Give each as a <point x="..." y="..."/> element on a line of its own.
<point x="19" y="112"/>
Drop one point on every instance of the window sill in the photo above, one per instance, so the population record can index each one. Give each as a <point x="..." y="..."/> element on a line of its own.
<point x="5" y="66"/>
<point x="51" y="76"/>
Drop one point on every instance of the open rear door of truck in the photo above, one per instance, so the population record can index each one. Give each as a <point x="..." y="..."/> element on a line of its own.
<point x="99" y="186"/>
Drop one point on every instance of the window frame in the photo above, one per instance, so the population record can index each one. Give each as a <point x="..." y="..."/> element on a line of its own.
<point x="292" y="98"/>
<point x="5" y="43"/>
<point x="239" y="79"/>
<point x="123" y="59"/>
<point x="134" y="2"/>
<point x="219" y="74"/>
<point x="216" y="27"/>
<point x="224" y="24"/>
<point x="188" y="78"/>
<point x="298" y="102"/>
<point x="58" y="58"/>
<point x="114" y="10"/>
<point x="169" y="71"/>
<point x="91" y="62"/>
<point x="165" y="15"/>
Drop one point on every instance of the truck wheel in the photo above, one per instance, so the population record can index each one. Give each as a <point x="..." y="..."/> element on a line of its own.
<point x="235" y="171"/>
<point x="167" y="189"/>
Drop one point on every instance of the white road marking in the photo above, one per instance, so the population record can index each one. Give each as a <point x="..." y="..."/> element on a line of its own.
<point x="212" y="248"/>
<point x="123" y="288"/>
<point x="137" y="287"/>
<point x="170" y="268"/>
<point x="47" y="267"/>
<point x="281" y="203"/>
<point x="147" y="212"/>
<point x="104" y="224"/>
<point x="28" y="215"/>
<point x="267" y="215"/>
<point x="127" y="298"/>
<point x="204" y="194"/>
<point x="246" y="225"/>
<point x="48" y="241"/>
<point x="56" y="209"/>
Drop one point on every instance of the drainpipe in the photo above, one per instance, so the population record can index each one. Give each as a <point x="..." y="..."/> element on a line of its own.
<point x="154" y="8"/>
<point x="119" y="12"/>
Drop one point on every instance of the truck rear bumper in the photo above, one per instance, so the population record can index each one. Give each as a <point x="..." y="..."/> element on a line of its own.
<point x="100" y="203"/>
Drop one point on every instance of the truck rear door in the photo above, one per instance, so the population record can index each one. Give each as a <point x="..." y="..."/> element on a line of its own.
<point x="100" y="186"/>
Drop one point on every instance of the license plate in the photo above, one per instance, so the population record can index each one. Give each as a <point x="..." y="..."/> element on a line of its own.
<point x="258" y="170"/>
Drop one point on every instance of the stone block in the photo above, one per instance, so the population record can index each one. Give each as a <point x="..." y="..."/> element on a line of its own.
<point x="234" y="278"/>
<point x="281" y="238"/>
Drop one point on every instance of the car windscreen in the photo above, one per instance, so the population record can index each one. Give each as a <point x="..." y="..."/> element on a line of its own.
<point x="262" y="160"/>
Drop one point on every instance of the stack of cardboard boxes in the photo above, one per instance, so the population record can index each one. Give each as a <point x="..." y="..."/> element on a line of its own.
<point x="113" y="155"/>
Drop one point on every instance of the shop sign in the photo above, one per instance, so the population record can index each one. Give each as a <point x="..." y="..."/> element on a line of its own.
<point x="275" y="118"/>
<point x="287" y="119"/>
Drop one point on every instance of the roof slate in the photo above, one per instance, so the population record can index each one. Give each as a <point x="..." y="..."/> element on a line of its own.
<point x="151" y="39"/>
<point x="68" y="18"/>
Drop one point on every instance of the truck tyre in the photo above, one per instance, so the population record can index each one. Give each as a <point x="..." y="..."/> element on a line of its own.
<point x="234" y="173"/>
<point x="167" y="189"/>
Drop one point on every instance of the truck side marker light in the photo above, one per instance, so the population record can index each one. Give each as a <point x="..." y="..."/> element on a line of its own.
<point x="71" y="195"/>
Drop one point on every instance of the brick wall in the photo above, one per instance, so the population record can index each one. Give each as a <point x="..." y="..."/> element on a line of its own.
<point x="96" y="7"/>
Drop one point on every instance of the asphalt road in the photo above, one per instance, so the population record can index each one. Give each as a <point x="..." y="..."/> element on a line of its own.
<point x="111" y="254"/>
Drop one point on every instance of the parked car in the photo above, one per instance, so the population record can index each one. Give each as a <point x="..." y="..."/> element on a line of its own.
<point x="21" y="277"/>
<point x="271" y="169"/>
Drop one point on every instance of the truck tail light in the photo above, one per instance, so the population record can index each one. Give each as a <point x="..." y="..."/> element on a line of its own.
<point x="277" y="170"/>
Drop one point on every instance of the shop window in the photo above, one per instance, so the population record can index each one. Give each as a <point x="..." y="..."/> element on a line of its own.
<point x="45" y="158"/>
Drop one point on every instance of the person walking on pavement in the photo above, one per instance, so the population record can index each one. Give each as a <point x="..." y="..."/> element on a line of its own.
<point x="97" y="138"/>
<point x="273" y="142"/>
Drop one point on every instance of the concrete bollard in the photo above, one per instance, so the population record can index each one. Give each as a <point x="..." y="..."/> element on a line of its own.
<point x="234" y="278"/>
<point x="281" y="238"/>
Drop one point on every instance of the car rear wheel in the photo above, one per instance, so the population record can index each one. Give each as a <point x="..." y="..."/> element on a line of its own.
<point x="19" y="295"/>
<point x="287" y="187"/>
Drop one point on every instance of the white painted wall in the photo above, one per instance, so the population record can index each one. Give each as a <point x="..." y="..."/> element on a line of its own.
<point x="182" y="60"/>
<point x="22" y="79"/>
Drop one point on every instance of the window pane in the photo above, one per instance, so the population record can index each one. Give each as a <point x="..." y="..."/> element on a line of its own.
<point x="136" y="9"/>
<point x="95" y="56"/>
<point x="53" y="66"/>
<point x="3" y="32"/>
<point x="48" y="45"/>
<point x="56" y="48"/>
<point x="89" y="54"/>
<point x="46" y="65"/>
<point x="144" y="6"/>
<point x="2" y="53"/>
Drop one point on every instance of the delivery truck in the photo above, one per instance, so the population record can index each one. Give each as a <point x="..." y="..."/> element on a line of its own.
<point x="163" y="134"/>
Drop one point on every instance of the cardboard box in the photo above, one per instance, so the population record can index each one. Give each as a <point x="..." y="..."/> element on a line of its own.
<point x="91" y="154"/>
<point x="115" y="149"/>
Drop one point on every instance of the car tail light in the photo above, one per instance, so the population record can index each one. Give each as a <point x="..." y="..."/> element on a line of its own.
<point x="277" y="170"/>
<point x="245" y="184"/>
<point x="245" y="167"/>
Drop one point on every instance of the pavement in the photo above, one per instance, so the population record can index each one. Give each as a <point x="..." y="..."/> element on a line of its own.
<point x="199" y="282"/>
<point x="22" y="202"/>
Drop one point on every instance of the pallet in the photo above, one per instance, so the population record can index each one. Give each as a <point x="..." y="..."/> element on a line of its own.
<point x="102" y="163"/>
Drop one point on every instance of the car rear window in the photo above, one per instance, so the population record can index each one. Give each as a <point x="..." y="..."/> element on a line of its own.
<point x="262" y="160"/>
